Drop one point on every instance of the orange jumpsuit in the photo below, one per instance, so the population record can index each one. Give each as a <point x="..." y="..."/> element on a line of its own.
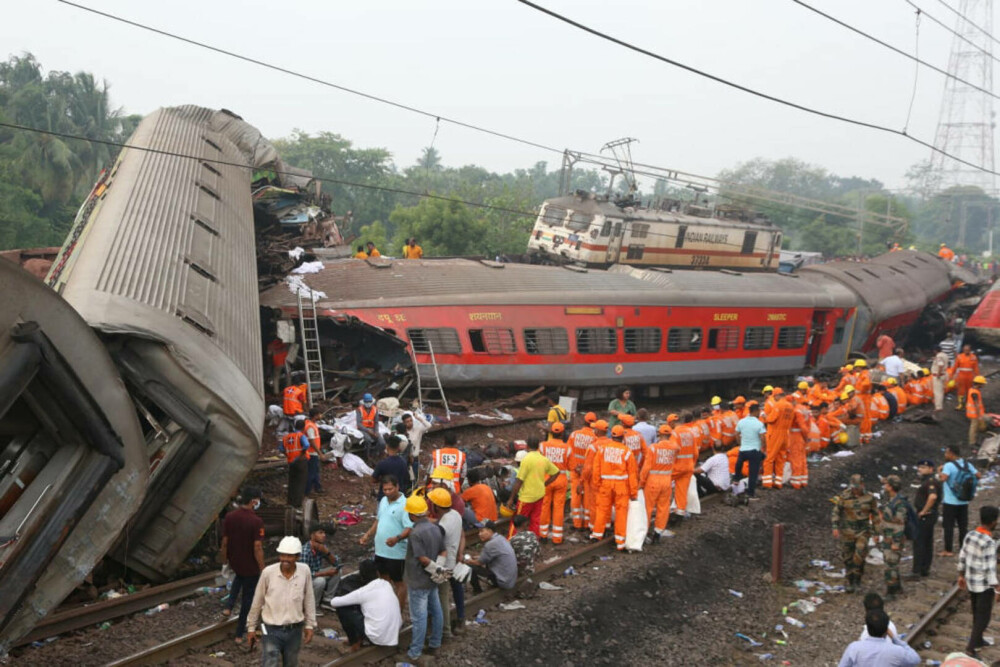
<point x="715" y="427"/>
<point x="687" y="438"/>
<point x="590" y="489"/>
<point x="814" y="437"/>
<point x="734" y="455"/>
<point x="294" y="396"/>
<point x="797" y="445"/>
<point x="728" y="423"/>
<point x="779" y="421"/>
<point x="635" y="442"/>
<point x="579" y="440"/>
<point x="901" y="401"/>
<point x="616" y="479"/>
<point x="705" y="433"/>
<point x="845" y="379"/>
<point x="928" y="384"/>
<point x="655" y="480"/>
<point x="829" y="428"/>
<point x="966" y="367"/>
<point x="554" y="501"/>
<point x="915" y="392"/>
<point x="863" y="387"/>
<point x="878" y="408"/>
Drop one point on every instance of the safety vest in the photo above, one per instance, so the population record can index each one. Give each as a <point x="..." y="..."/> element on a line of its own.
<point x="558" y="452"/>
<point x="915" y="392"/>
<point x="661" y="459"/>
<point x="814" y="437"/>
<point x="878" y="407"/>
<point x="728" y="425"/>
<point x="687" y="447"/>
<point x="293" y="397"/>
<point x="966" y="363"/>
<point x="705" y="433"/>
<point x="616" y="464"/>
<point x="367" y="417"/>
<point x="312" y="435"/>
<point x="580" y="440"/>
<point x="453" y="458"/>
<point x="974" y="405"/>
<point x="900" y="399"/>
<point x="292" y="442"/>
<point x="635" y="442"/>
<point x="863" y="384"/>
<point x="799" y="428"/>
<point x="594" y="450"/>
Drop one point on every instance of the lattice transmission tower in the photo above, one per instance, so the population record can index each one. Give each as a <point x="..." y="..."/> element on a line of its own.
<point x="965" y="125"/>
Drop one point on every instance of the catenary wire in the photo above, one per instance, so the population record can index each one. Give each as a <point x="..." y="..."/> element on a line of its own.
<point x="756" y="93"/>
<point x="952" y="31"/>
<point x="916" y="70"/>
<point x="969" y="21"/>
<point x="914" y="57"/>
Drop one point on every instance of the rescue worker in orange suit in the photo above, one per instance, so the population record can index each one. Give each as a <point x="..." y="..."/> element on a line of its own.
<point x="361" y="254"/>
<point x="878" y="405"/>
<point x="366" y="417"/>
<point x="294" y="446"/>
<point x="311" y="431"/>
<point x="928" y="384"/>
<point x="801" y="392"/>
<point x="851" y="411"/>
<point x="965" y="368"/>
<point x="863" y="388"/>
<point x="831" y="429"/>
<point x="820" y="393"/>
<point x="914" y="388"/>
<point x="974" y="409"/>
<point x="558" y="451"/>
<point x="450" y="456"/>
<point x="371" y="250"/>
<point x="740" y="406"/>
<point x="797" y="434"/>
<point x="579" y="441"/>
<point x="769" y="400"/>
<point x="715" y="421"/>
<point x="655" y="480"/>
<point x="617" y="481"/>
<point x="293" y="397"/>
<point x="278" y="350"/>
<point x="847" y="378"/>
<point x="633" y="439"/>
<point x="600" y="428"/>
<point x="814" y="437"/>
<point x="727" y="425"/>
<point x="946" y="253"/>
<point x="687" y="436"/>
<point x="901" y="399"/>
<point x="704" y="429"/>
<point x="779" y="420"/>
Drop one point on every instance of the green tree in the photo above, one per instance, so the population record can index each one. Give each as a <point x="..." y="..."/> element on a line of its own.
<point x="441" y="227"/>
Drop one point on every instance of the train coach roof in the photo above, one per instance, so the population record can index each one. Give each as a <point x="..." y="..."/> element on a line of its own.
<point x="390" y="283"/>
<point x="601" y="207"/>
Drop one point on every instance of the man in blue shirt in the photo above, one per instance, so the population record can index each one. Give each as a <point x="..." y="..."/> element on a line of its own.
<point x="750" y="433"/>
<point x="390" y="530"/>
<point x="953" y="510"/>
<point x="875" y="651"/>
<point x="393" y="464"/>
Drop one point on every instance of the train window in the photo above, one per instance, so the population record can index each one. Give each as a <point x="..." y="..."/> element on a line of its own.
<point x="606" y="229"/>
<point x="554" y="216"/>
<point x="758" y="338"/>
<point x="644" y="340"/>
<point x="579" y="222"/>
<point x="749" y="242"/>
<point x="639" y="231"/>
<point x="442" y="340"/>
<point x="596" y="341"/>
<point x="791" y="338"/>
<point x="681" y="233"/>
<point x="546" y="341"/>
<point x="683" y="339"/>
<point x="724" y="338"/>
<point x="635" y="251"/>
<point x="493" y="340"/>
<point x="838" y="331"/>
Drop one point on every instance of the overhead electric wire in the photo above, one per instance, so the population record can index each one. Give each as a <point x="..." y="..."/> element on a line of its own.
<point x="905" y="54"/>
<point x="952" y="31"/>
<point x="969" y="21"/>
<point x="751" y="91"/>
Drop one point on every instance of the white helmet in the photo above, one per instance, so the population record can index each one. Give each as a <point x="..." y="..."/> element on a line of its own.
<point x="520" y="456"/>
<point x="290" y="545"/>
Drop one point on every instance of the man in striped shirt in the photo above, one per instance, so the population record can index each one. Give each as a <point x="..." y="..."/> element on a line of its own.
<point x="977" y="572"/>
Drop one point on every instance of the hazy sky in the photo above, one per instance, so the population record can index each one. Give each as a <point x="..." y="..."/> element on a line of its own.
<point x="502" y="65"/>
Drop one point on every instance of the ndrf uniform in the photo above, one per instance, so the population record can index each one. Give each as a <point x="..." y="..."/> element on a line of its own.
<point x="797" y="434"/>
<point x="616" y="480"/>
<point x="579" y="441"/>
<point x="655" y="480"/>
<point x="687" y="453"/>
<point x="779" y="423"/>
<point x="554" y="502"/>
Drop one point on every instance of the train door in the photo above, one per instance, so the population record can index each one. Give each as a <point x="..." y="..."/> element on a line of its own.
<point x="814" y="348"/>
<point x="614" y="243"/>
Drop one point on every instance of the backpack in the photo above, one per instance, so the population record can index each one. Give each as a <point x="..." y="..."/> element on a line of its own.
<point x="964" y="483"/>
<point x="563" y="416"/>
<point x="912" y="520"/>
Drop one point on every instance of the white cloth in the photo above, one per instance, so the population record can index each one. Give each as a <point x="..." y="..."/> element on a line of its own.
<point x="892" y="629"/>
<point x="647" y="431"/>
<point x="380" y="606"/>
<point x="309" y="267"/>
<point x="355" y="464"/>
<point x="636" y="524"/>
<point x="451" y="524"/>
<point x="893" y="366"/>
<point x="717" y="469"/>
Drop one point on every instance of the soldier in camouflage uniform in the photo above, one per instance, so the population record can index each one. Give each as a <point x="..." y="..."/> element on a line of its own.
<point x="525" y="545"/>
<point x="854" y="518"/>
<point x="893" y="518"/>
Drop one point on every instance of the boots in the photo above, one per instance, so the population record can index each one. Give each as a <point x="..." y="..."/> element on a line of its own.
<point x="852" y="583"/>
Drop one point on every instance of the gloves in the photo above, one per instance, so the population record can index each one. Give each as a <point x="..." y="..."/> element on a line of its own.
<point x="462" y="572"/>
<point x="439" y="575"/>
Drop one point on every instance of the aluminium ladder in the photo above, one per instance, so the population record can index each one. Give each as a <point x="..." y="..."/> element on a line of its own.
<point x="426" y="387"/>
<point x="311" y="354"/>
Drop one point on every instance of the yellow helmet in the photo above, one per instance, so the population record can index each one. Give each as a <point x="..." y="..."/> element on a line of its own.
<point x="951" y="384"/>
<point x="417" y="504"/>
<point x="861" y="363"/>
<point x="979" y="379"/>
<point x="925" y="372"/>
<point x="849" y="389"/>
<point x="506" y="512"/>
<point x="767" y="389"/>
<point x="891" y="382"/>
<point x="443" y="472"/>
<point x="716" y="400"/>
<point x="840" y="438"/>
<point x="803" y="385"/>
<point x="439" y="497"/>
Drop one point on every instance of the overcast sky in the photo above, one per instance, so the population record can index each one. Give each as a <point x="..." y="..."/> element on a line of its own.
<point x="502" y="65"/>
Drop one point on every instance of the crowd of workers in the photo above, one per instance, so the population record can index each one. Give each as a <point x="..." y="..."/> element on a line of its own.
<point x="410" y="250"/>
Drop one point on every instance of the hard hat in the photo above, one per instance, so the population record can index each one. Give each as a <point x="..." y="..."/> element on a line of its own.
<point x="600" y="425"/>
<point x="767" y="389"/>
<point x="925" y="372"/>
<point x="942" y="245"/>
<point x="520" y="455"/>
<point x="557" y="427"/>
<point x="618" y="430"/>
<point x="671" y="418"/>
<point x="590" y="418"/>
<point x="368" y="399"/>
<point x="979" y="379"/>
<point x="803" y="385"/>
<point x="739" y="399"/>
<point x="777" y="391"/>
<point x="290" y="545"/>
<point x="751" y="403"/>
<point x="439" y="497"/>
<point x="417" y="504"/>
<point x="506" y="512"/>
<point x="628" y="420"/>
<point x="951" y="384"/>
<point x="664" y="429"/>
<point x="844" y="395"/>
<point x="849" y="389"/>
<point x="443" y="472"/>
<point x="891" y="381"/>
<point x="849" y="367"/>
<point x="840" y="438"/>
<point x="861" y="363"/>
<point x="716" y="400"/>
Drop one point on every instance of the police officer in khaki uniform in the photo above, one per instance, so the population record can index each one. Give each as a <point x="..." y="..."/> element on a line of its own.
<point x="893" y="518"/>
<point x="854" y="518"/>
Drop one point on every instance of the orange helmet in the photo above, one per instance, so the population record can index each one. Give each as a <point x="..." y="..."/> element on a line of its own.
<point x="628" y="420"/>
<point x="777" y="391"/>
<point x="739" y="400"/>
<point x="557" y="427"/>
<point x="671" y="418"/>
<point x="590" y="418"/>
<point x="664" y="429"/>
<point x="600" y="425"/>
<point x="617" y="430"/>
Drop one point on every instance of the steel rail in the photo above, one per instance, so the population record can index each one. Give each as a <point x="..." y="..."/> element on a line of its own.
<point x="931" y="616"/>
<point x="178" y="647"/>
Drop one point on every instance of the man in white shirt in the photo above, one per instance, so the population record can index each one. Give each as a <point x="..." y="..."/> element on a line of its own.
<point x="284" y="605"/>
<point x="414" y="425"/>
<point x="893" y="364"/>
<point x="379" y="606"/>
<point x="939" y="373"/>
<point x="450" y="522"/>
<point x="712" y="476"/>
<point x="644" y="428"/>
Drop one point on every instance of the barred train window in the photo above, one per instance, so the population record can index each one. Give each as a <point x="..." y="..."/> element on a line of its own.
<point x="493" y="340"/>
<point x="596" y="341"/>
<point x="722" y="339"/>
<point x="546" y="341"/>
<point x="684" y="339"/>
<point x="791" y="338"/>
<point x="645" y="340"/>
<point x="758" y="338"/>
<point x="442" y="340"/>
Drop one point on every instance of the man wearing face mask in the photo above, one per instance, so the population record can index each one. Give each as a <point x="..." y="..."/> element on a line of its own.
<point x="243" y="550"/>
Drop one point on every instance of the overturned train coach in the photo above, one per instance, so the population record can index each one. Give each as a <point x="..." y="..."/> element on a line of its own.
<point x="485" y="323"/>
<point x="132" y="399"/>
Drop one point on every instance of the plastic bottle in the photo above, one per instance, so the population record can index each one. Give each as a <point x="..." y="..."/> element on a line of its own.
<point x="792" y="621"/>
<point x="765" y="656"/>
<point x="157" y="609"/>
